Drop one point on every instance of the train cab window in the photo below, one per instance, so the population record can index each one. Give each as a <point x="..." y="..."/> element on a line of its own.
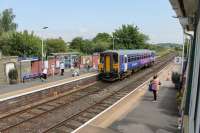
<point x="125" y="60"/>
<point x="101" y="59"/>
<point x="115" y="58"/>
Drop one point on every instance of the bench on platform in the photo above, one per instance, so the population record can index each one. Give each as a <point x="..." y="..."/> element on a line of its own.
<point x="30" y="76"/>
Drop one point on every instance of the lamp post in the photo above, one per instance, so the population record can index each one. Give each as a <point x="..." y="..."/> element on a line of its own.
<point x="45" y="27"/>
<point x="113" y="39"/>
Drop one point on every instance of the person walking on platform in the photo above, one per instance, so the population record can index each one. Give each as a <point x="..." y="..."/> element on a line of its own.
<point x="62" y="68"/>
<point x="155" y="86"/>
<point x="44" y="75"/>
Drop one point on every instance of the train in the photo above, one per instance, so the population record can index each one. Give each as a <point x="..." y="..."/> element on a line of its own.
<point x="117" y="64"/>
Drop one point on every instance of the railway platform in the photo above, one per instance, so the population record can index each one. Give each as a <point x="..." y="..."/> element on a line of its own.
<point x="12" y="91"/>
<point x="137" y="113"/>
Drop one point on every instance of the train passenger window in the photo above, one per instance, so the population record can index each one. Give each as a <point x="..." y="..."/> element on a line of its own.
<point x="132" y="58"/>
<point x="115" y="58"/>
<point x="129" y="59"/>
<point x="101" y="59"/>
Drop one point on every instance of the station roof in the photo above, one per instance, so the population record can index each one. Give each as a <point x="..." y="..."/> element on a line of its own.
<point x="185" y="11"/>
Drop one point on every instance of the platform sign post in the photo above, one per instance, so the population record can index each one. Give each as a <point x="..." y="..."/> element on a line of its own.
<point x="178" y="60"/>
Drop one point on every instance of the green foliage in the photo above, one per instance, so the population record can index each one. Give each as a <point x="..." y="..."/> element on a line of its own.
<point x="27" y="44"/>
<point x="77" y="43"/>
<point x="6" y="21"/>
<point x="102" y="42"/>
<point x="129" y="37"/>
<point x="179" y="97"/>
<point x="4" y="43"/>
<point x="24" y="44"/>
<point x="84" y="46"/>
<point x="176" y="77"/>
<point x="126" y="37"/>
<point x="55" y="46"/>
<point x="13" y="74"/>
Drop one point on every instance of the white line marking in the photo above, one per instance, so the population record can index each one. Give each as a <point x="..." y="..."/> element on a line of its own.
<point x="99" y="115"/>
<point x="51" y="86"/>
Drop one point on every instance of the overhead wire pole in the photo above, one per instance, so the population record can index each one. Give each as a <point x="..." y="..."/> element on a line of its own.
<point x="113" y="42"/>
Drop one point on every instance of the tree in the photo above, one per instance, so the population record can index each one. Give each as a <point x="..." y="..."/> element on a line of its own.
<point x="5" y="43"/>
<point x="6" y="21"/>
<point x="102" y="41"/>
<point x="55" y="45"/>
<point x="24" y="44"/>
<point x="77" y="43"/>
<point x="105" y="37"/>
<point x="87" y="47"/>
<point x="129" y="37"/>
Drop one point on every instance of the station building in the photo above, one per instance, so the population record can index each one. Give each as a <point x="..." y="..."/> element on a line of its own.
<point x="188" y="13"/>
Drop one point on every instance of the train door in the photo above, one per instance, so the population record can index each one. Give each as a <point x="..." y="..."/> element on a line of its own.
<point x="107" y="63"/>
<point x="125" y="63"/>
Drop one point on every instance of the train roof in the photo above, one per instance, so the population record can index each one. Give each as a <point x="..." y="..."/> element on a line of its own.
<point x="127" y="52"/>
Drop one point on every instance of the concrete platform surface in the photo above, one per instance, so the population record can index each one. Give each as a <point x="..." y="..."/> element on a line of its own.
<point x="151" y="117"/>
<point x="137" y="113"/>
<point x="15" y="92"/>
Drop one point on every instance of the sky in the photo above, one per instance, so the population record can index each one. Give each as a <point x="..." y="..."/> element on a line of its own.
<point x="86" y="18"/>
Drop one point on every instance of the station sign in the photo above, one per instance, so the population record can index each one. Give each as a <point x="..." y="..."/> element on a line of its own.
<point x="178" y="60"/>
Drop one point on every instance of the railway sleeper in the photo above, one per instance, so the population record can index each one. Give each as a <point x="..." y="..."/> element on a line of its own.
<point x="81" y="119"/>
<point x="94" y="111"/>
<point x="62" y="129"/>
<point x="88" y="115"/>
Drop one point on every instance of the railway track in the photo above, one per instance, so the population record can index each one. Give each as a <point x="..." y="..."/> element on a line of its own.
<point x="66" y="113"/>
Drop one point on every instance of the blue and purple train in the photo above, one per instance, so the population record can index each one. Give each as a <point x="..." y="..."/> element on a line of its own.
<point x="117" y="64"/>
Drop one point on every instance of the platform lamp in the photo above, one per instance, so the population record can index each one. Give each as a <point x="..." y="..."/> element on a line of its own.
<point x="43" y="28"/>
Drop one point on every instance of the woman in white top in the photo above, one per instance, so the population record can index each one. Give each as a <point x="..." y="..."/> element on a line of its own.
<point x="44" y="74"/>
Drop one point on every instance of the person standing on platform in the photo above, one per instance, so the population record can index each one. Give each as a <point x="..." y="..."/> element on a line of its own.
<point x="155" y="83"/>
<point x="62" y="68"/>
<point x="44" y="75"/>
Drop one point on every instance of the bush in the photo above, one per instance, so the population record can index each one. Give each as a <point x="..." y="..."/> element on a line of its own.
<point x="176" y="79"/>
<point x="179" y="97"/>
<point x="13" y="74"/>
